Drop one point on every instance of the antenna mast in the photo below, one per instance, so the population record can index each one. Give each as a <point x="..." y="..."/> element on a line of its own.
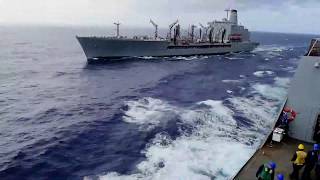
<point x="118" y="29"/>
<point x="156" y="29"/>
<point x="228" y="10"/>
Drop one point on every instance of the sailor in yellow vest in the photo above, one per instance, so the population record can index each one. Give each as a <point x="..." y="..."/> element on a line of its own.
<point x="298" y="160"/>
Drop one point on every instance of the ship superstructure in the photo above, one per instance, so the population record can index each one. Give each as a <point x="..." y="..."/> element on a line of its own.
<point x="217" y="37"/>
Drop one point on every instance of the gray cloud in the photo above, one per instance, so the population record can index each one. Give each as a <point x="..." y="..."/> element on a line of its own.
<point x="271" y="15"/>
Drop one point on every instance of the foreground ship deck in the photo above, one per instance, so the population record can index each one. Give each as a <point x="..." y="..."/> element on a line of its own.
<point x="304" y="97"/>
<point x="281" y="153"/>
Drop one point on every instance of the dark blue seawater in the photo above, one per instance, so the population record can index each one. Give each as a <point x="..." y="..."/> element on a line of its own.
<point x="143" y="118"/>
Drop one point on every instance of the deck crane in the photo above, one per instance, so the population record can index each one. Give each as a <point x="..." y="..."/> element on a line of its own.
<point x="156" y="29"/>
<point x="170" y="28"/>
<point x="205" y="31"/>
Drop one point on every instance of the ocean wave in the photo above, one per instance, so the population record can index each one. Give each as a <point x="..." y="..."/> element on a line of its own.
<point x="198" y="154"/>
<point x="271" y="48"/>
<point x="229" y="91"/>
<point x="234" y="58"/>
<point x="282" y="82"/>
<point x="263" y="73"/>
<point x="148" y="112"/>
<point x="270" y="92"/>
<point x="187" y="58"/>
<point x="289" y="69"/>
<point x="147" y="57"/>
<point x="231" y="81"/>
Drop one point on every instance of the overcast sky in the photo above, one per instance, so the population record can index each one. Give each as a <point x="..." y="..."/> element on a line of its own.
<point x="301" y="16"/>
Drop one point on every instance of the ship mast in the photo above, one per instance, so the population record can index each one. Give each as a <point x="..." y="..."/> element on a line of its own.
<point x="192" y="31"/>
<point x="118" y="29"/>
<point x="156" y="29"/>
<point x="227" y="10"/>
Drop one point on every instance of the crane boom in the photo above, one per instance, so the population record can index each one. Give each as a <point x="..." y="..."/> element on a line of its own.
<point x="173" y="24"/>
<point x="170" y="28"/>
<point x="156" y="28"/>
<point x="202" y="26"/>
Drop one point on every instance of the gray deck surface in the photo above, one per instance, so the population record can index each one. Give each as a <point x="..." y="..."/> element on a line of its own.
<point x="281" y="153"/>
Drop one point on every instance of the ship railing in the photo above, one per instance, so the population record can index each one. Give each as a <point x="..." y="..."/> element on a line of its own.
<point x="314" y="49"/>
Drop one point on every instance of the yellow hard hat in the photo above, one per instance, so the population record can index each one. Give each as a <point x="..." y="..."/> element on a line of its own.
<point x="301" y="146"/>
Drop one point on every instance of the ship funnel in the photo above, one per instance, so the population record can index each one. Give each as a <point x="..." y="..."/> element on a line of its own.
<point x="233" y="16"/>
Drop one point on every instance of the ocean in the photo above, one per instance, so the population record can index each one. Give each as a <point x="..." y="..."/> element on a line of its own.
<point x="199" y="117"/>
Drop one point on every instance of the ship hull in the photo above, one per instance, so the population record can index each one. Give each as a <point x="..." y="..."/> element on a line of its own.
<point x="96" y="48"/>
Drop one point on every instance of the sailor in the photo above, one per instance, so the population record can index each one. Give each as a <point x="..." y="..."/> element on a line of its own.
<point x="317" y="133"/>
<point x="298" y="160"/>
<point x="280" y="177"/>
<point x="284" y="121"/>
<point x="311" y="161"/>
<point x="266" y="171"/>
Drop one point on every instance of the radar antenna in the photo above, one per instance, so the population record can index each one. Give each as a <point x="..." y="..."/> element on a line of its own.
<point x="118" y="29"/>
<point x="170" y="28"/>
<point x="156" y="29"/>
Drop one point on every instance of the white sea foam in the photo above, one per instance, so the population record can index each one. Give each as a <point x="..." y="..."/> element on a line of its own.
<point x="204" y="57"/>
<point x="149" y="112"/>
<point x="147" y="57"/>
<point x="229" y="91"/>
<point x="289" y="69"/>
<point x="234" y="58"/>
<point x="218" y="107"/>
<point x="271" y="48"/>
<point x="199" y="155"/>
<point x="263" y="73"/>
<point x="282" y="82"/>
<point x="261" y="112"/>
<point x="270" y="51"/>
<point x="231" y="81"/>
<point x="270" y="92"/>
<point x="208" y="152"/>
<point x="187" y="58"/>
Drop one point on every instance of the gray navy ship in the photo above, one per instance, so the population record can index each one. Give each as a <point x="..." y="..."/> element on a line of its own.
<point x="217" y="37"/>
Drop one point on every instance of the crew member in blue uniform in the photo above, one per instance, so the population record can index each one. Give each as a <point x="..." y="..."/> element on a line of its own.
<point x="280" y="177"/>
<point x="311" y="161"/>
